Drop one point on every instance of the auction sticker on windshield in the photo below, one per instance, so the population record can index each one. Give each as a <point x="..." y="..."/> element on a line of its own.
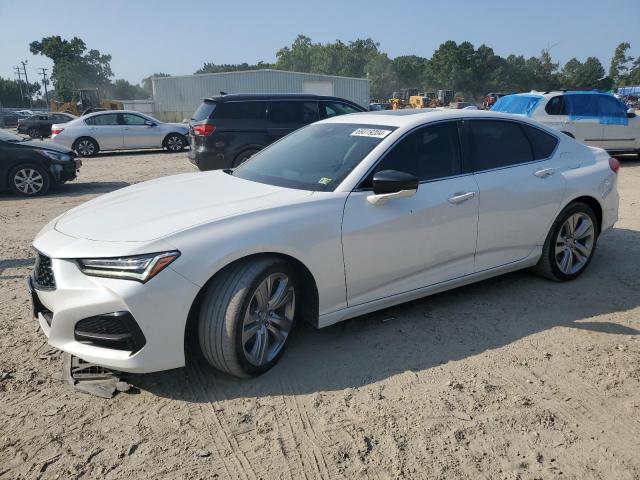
<point x="370" y="132"/>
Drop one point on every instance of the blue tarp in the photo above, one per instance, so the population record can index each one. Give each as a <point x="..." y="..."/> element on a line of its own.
<point x="517" y="104"/>
<point x="627" y="91"/>
<point x="605" y="108"/>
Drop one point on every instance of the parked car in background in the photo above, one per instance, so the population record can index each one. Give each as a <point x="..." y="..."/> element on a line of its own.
<point x="25" y="113"/>
<point x="343" y="217"/>
<point x="30" y="168"/>
<point x="119" y="130"/>
<point x="461" y="105"/>
<point x="8" y="118"/>
<point x="594" y="118"/>
<point x="39" y="125"/>
<point x="374" y="107"/>
<point x="228" y="129"/>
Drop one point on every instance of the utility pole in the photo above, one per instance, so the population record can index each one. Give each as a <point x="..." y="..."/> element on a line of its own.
<point x="19" y="73"/>
<point x="26" y="79"/>
<point x="43" y="71"/>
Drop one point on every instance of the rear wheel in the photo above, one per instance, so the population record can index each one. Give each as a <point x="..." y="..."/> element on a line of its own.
<point x="29" y="180"/>
<point x="570" y="245"/>
<point x="244" y="156"/>
<point x="175" y="142"/>
<point x="247" y="314"/>
<point x="34" y="132"/>
<point x="86" y="147"/>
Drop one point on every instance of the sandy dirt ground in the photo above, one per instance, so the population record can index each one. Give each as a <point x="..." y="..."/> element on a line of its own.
<point x="511" y="378"/>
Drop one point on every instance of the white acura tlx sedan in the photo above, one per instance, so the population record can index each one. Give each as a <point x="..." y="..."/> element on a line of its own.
<point x="340" y="218"/>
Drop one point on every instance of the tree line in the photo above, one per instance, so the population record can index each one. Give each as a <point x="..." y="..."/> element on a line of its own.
<point x="470" y="72"/>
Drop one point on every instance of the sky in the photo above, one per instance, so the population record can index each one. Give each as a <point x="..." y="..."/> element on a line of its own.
<point x="179" y="37"/>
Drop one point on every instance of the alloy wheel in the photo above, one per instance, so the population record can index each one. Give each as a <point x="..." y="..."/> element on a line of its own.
<point x="574" y="244"/>
<point x="268" y="319"/>
<point x="86" y="148"/>
<point x="175" y="143"/>
<point x="28" y="181"/>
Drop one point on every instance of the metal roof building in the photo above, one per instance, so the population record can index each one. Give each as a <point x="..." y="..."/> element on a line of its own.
<point x="176" y="98"/>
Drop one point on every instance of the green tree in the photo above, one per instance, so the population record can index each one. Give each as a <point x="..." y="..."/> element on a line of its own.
<point x="123" y="90"/>
<point x="409" y="70"/>
<point x="73" y="66"/>
<point x="620" y="62"/>
<point x="10" y="92"/>
<point x="220" y="68"/>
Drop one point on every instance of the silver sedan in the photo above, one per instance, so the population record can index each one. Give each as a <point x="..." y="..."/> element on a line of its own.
<point x="119" y="130"/>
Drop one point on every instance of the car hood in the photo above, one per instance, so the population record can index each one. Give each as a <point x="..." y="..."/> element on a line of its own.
<point x="157" y="208"/>
<point x="44" y="145"/>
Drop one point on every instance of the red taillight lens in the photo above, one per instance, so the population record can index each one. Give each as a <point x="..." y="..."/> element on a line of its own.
<point x="56" y="131"/>
<point x="204" y="130"/>
<point x="614" y="164"/>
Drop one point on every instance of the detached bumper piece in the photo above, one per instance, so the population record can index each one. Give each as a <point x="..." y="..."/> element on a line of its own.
<point x="117" y="330"/>
<point x="88" y="378"/>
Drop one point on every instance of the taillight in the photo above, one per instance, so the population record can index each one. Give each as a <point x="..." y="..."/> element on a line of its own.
<point x="56" y="131"/>
<point x="204" y="130"/>
<point x="614" y="164"/>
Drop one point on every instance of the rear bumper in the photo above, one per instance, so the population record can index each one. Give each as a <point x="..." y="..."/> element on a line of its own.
<point x="205" y="160"/>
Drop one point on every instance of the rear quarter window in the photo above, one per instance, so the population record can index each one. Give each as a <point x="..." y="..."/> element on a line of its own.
<point x="241" y="111"/>
<point x="204" y="111"/>
<point x="542" y="143"/>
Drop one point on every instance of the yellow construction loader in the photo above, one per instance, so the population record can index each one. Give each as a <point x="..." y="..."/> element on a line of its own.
<point x="88" y="101"/>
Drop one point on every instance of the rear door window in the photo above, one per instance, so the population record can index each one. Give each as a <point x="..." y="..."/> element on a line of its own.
<point x="496" y="144"/>
<point x="289" y="113"/>
<point x="107" y="119"/>
<point x="542" y="143"/>
<point x="240" y="116"/>
<point x="204" y="111"/>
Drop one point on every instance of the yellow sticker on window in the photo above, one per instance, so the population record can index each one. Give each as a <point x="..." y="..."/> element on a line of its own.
<point x="324" y="181"/>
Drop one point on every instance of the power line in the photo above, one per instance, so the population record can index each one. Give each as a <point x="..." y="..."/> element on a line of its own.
<point x="18" y="72"/>
<point x="26" y="79"/>
<point x="43" y="71"/>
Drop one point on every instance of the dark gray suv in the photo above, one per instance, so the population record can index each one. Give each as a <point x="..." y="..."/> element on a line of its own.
<point x="226" y="130"/>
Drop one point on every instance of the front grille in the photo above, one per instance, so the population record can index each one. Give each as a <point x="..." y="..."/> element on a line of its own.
<point x="117" y="330"/>
<point x="43" y="277"/>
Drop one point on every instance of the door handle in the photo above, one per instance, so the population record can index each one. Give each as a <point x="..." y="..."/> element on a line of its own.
<point x="544" y="172"/>
<point x="461" y="197"/>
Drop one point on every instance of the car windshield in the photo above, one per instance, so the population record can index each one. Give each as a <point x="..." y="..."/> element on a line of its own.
<point x="317" y="157"/>
<point x="9" y="137"/>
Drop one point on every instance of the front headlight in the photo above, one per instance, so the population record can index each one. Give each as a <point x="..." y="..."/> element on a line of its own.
<point x="57" y="156"/>
<point x="138" y="267"/>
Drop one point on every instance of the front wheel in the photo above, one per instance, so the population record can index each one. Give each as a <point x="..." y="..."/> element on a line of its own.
<point x="247" y="314"/>
<point x="570" y="244"/>
<point x="29" y="180"/>
<point x="34" y="132"/>
<point x="175" y="142"/>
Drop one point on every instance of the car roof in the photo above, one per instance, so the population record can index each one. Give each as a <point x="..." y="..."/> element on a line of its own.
<point x="554" y="93"/>
<point x="234" y="97"/>
<point x="411" y="117"/>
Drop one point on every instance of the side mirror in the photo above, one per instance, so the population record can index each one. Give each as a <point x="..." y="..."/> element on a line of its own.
<point x="631" y="113"/>
<point x="149" y="123"/>
<point x="389" y="184"/>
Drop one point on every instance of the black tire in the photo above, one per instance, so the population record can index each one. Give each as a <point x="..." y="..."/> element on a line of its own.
<point x="39" y="184"/>
<point x="244" y="156"/>
<point x="548" y="266"/>
<point x="223" y="309"/>
<point x="569" y="134"/>
<point x="175" y="142"/>
<point x="34" y="132"/>
<point x="86" y="147"/>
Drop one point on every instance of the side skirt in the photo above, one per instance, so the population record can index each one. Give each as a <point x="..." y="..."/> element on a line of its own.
<point x="362" y="309"/>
